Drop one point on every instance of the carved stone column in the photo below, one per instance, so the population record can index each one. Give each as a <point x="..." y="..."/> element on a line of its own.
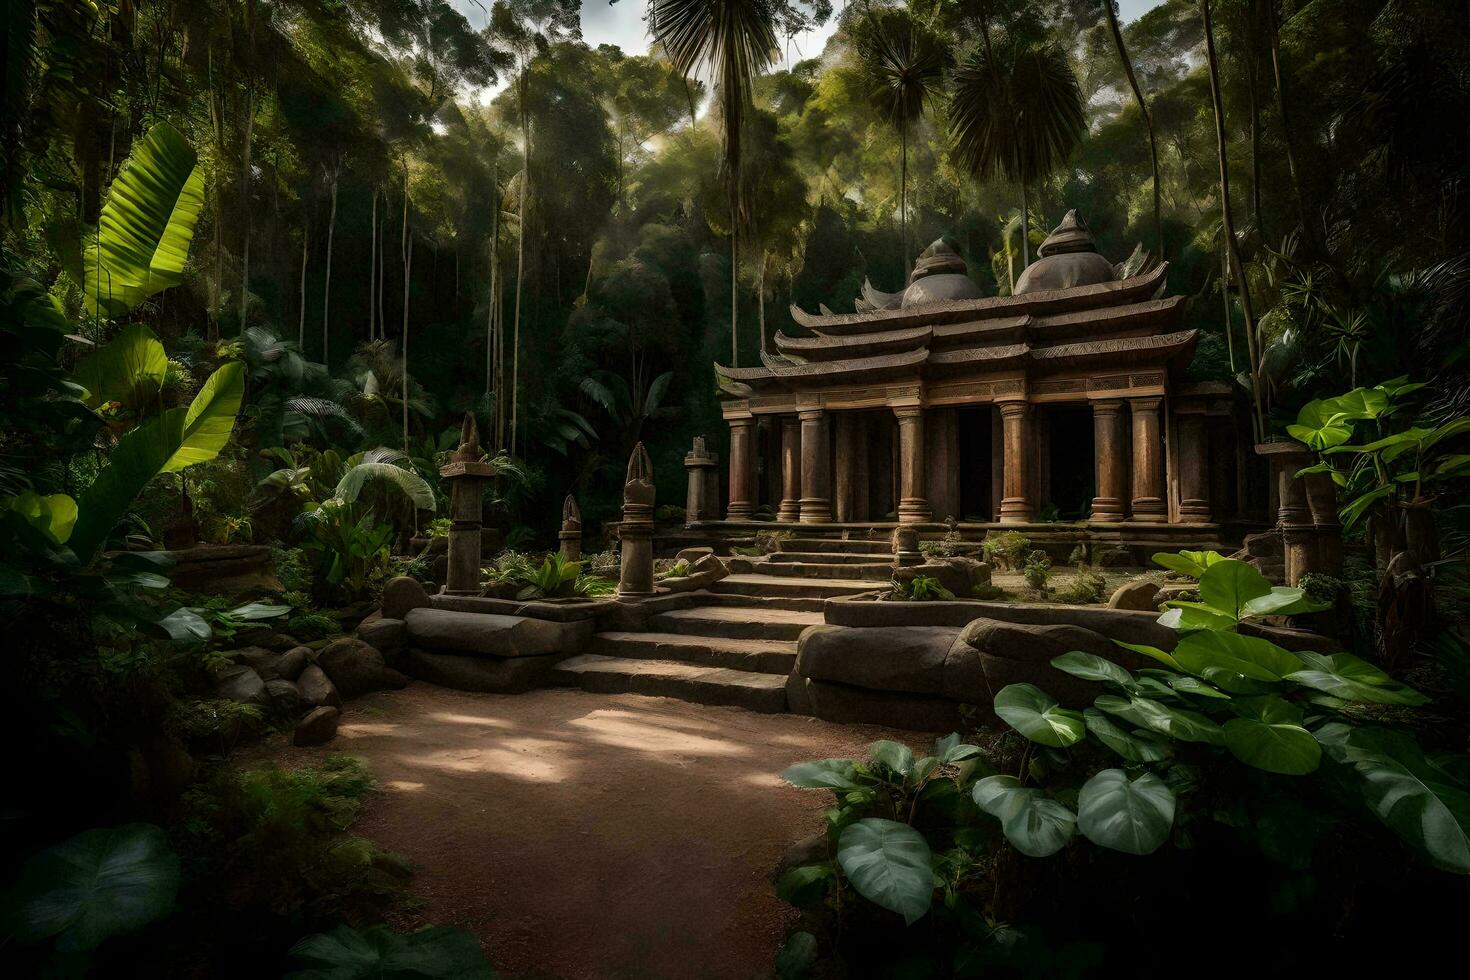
<point x="790" y="508"/>
<point x="1110" y="447"/>
<point x="997" y="463"/>
<point x="1149" y="505"/>
<point x="467" y="473"/>
<point x="635" y="577"/>
<point x="816" y="468"/>
<point x="1016" y="506"/>
<point x="571" y="530"/>
<point x="700" y="464"/>
<point x="1293" y="511"/>
<point x="1322" y="501"/>
<point x="742" y="455"/>
<point x="913" y="505"/>
<point x="1193" y="460"/>
<point x="849" y="435"/>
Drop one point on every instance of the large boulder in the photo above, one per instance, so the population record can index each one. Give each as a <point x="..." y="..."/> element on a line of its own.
<point x="483" y="633"/>
<point x="293" y="662"/>
<point x="1142" y="595"/>
<point x="907" y="659"/>
<point x="318" y="727"/>
<point x="384" y="634"/>
<point x="847" y="705"/>
<point x="260" y="660"/>
<point x="357" y="669"/>
<point x="495" y="675"/>
<point x="401" y="594"/>
<point x="317" y="688"/>
<point x="992" y="654"/>
<point x="286" y="698"/>
<point x="241" y="683"/>
<point x="959" y="575"/>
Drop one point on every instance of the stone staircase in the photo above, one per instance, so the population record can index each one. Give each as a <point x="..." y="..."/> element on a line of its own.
<point x="737" y="648"/>
<point x="1266" y="552"/>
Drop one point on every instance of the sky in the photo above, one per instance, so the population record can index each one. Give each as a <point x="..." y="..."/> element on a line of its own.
<point x="621" y="23"/>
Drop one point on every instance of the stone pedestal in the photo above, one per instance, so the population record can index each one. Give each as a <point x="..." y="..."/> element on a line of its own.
<point x="1149" y="505"/>
<point x="571" y="530"/>
<point x="1322" y="501"/>
<point x="1193" y="461"/>
<point x="742" y="475"/>
<point x="1293" y="512"/>
<point x="701" y="501"/>
<point x="635" y="577"/>
<point x="906" y="546"/>
<point x="913" y="504"/>
<point x="466" y="473"/>
<point x="816" y="472"/>
<point x="1110" y="448"/>
<point x="1016" y="506"/>
<point x="790" y="508"/>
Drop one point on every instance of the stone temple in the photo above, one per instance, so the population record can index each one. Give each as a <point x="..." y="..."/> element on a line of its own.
<point x="1063" y="406"/>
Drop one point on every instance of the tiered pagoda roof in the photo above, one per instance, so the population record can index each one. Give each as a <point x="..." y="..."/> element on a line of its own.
<point x="1041" y="331"/>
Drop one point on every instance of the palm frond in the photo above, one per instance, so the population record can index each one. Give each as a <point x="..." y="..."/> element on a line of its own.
<point x="412" y="486"/>
<point x="1015" y="109"/>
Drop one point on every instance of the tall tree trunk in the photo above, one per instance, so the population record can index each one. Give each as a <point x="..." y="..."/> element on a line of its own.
<point x="760" y="298"/>
<point x="305" y="251"/>
<point x="245" y="153"/>
<point x="373" y="266"/>
<point x="1287" y="132"/>
<point x="327" y="287"/>
<point x="490" y="305"/>
<point x="903" y="194"/>
<point x="515" y="370"/>
<point x="1255" y="113"/>
<point x="1153" y="146"/>
<point x="383" y="269"/>
<point x="407" y="278"/>
<point x="1228" y="219"/>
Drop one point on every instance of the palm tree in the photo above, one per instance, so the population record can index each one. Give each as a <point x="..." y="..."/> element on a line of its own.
<point x="1153" y="146"/>
<point x="903" y="64"/>
<point x="733" y="40"/>
<point x="1227" y="217"/>
<point x="1015" y="108"/>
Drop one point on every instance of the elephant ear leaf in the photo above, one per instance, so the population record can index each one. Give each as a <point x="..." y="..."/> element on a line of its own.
<point x="146" y="226"/>
<point x="889" y="865"/>
<point x="99" y="884"/>
<point x="210" y="418"/>
<point x="130" y="370"/>
<point x="435" y="953"/>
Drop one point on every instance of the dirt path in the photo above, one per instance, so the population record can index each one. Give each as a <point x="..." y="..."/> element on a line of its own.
<point x="594" y="836"/>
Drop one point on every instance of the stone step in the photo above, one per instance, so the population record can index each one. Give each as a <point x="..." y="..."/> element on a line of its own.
<point x="858" y="546"/>
<point x="805" y="588"/>
<point x="757" y="603"/>
<point x="880" y="571"/>
<point x="756" y="656"/>
<point x="765" y="693"/>
<point x="828" y="557"/>
<point x="736" y="622"/>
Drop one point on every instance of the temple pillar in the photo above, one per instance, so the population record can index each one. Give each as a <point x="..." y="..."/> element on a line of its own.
<point x="1193" y="462"/>
<point x="1016" y="507"/>
<point x="942" y="457"/>
<point x="701" y="501"/>
<point x="1322" y="501"/>
<point x="466" y="473"/>
<point x="816" y="468"/>
<point x="1110" y="465"/>
<point x="790" y="508"/>
<point x="1293" y="510"/>
<point x="742" y="456"/>
<point x="850" y="436"/>
<point x="913" y="505"/>
<point x="1149" y="506"/>
<point x="635" y="573"/>
<point x="997" y="463"/>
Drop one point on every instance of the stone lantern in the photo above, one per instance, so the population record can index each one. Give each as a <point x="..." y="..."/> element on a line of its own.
<point x="466" y="473"/>
<point x="635" y="579"/>
<point x="702" y="502"/>
<point x="571" y="530"/>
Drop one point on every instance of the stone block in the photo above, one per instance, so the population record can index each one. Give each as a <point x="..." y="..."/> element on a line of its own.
<point x="384" y="634"/>
<point x="495" y="675"/>
<point x="908" y="659"/>
<point x="848" y="705"/>
<point x="492" y="635"/>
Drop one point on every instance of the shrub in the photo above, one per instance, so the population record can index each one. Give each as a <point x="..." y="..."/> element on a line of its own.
<point x="292" y="569"/>
<point x="680" y="569"/>
<point x="1078" y="555"/>
<point x="1007" y="549"/>
<point x="1037" y="570"/>
<point x="312" y="626"/>
<point x="922" y="588"/>
<point x="1321" y="587"/>
<point x="1087" y="586"/>
<point x="438" y="528"/>
<point x="985" y="590"/>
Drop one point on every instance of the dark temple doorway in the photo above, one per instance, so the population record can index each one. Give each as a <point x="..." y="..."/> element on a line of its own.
<point x="975" y="464"/>
<point x="1069" y="478"/>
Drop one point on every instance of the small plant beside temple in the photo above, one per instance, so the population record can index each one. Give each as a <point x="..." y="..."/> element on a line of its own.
<point x="921" y="588"/>
<point x="1086" y="586"/>
<point x="1007" y="550"/>
<point x="1037" y="570"/>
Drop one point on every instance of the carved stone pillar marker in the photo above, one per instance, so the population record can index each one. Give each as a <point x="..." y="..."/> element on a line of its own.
<point x="1193" y="459"/>
<point x="1016" y="506"/>
<point x="1322" y="501"/>
<point x="1293" y="511"/>
<point x="1149" y="505"/>
<point x="467" y="473"/>
<point x="635" y="577"/>
<point x="742" y="456"/>
<point x="913" y="504"/>
<point x="1110" y="442"/>
<point x="701" y="502"/>
<point x="790" y="508"/>
<point x="816" y="468"/>
<point x="906" y="546"/>
<point x="571" y="530"/>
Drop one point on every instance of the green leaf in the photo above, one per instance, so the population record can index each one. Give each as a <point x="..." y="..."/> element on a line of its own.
<point x="1033" y="713"/>
<point x="1227" y="586"/>
<point x="54" y="515"/>
<point x="1091" y="667"/>
<point x="1034" y="823"/>
<point x="1193" y="685"/>
<point x="377" y="953"/>
<point x="949" y="750"/>
<point x="186" y="626"/>
<point x="146" y="226"/>
<point x="255" y="611"/>
<point x="894" y="755"/>
<point x="1148" y="651"/>
<point x="1283" y="600"/>
<point x="1189" y="726"/>
<point x="823" y="774"/>
<point x="1186" y="616"/>
<point x="211" y="418"/>
<point x="1135" y="746"/>
<point x="1417" y="799"/>
<point x="1129" y="815"/>
<point x="1351" y="678"/>
<point x="1355" y="509"/>
<point x="806" y="884"/>
<point x="796" y="957"/>
<point x="100" y="883"/>
<point x="1191" y="563"/>
<point x="129" y="369"/>
<point x="888" y="863"/>
<point x="1269" y="735"/>
<point x="1250" y="656"/>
